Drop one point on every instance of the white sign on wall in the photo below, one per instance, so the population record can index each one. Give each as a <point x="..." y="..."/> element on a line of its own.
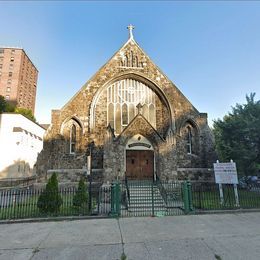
<point x="225" y="173"/>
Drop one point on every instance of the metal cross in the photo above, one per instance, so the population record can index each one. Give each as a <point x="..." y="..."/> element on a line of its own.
<point x="130" y="27"/>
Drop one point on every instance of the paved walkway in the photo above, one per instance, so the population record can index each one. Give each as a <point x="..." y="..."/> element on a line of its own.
<point x="227" y="236"/>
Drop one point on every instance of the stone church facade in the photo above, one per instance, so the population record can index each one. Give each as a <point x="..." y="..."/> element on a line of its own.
<point x="129" y="120"/>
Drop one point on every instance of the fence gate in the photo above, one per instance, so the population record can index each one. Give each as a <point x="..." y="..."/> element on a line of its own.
<point x="154" y="198"/>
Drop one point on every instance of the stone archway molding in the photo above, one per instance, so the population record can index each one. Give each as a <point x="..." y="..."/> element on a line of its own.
<point x="139" y="142"/>
<point x="76" y="119"/>
<point x="190" y="121"/>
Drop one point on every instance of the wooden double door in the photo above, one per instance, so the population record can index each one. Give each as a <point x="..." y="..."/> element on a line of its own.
<point x="139" y="164"/>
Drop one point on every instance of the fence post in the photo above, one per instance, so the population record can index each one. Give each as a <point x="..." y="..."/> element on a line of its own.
<point x="186" y="198"/>
<point x="90" y="195"/>
<point x="115" y="200"/>
<point x="190" y="196"/>
<point x="152" y="200"/>
<point x="118" y="198"/>
<point x="112" y="199"/>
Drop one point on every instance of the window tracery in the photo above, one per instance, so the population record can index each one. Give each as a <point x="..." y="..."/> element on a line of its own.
<point x="122" y="99"/>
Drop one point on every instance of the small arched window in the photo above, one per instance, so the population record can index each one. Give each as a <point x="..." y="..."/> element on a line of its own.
<point x="189" y="140"/>
<point x="73" y="139"/>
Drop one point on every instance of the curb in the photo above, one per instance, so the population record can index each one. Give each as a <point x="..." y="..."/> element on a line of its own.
<point x="51" y="219"/>
<point x="72" y="218"/>
<point x="224" y="211"/>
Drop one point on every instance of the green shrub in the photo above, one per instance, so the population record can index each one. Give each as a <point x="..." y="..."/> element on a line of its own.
<point x="80" y="199"/>
<point x="50" y="199"/>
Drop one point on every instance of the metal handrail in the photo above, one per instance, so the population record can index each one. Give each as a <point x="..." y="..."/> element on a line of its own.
<point x="161" y="188"/>
<point x="127" y="191"/>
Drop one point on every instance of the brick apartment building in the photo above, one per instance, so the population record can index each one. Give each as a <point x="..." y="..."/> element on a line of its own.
<point x="18" y="77"/>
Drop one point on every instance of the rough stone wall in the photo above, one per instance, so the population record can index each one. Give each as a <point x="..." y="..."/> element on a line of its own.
<point x="173" y="110"/>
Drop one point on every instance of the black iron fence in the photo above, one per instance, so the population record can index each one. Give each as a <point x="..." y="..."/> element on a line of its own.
<point x="206" y="196"/>
<point x="22" y="203"/>
<point x="132" y="198"/>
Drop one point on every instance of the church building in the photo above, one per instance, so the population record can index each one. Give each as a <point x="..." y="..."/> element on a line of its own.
<point x="129" y="120"/>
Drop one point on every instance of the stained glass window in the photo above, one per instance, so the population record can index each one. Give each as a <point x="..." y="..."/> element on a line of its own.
<point x="122" y="98"/>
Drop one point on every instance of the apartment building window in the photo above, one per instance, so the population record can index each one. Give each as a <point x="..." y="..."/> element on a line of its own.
<point x="9" y="81"/>
<point x="2" y="50"/>
<point x="8" y="89"/>
<point x="10" y="74"/>
<point x="12" y="59"/>
<point x="7" y="97"/>
<point x="11" y="66"/>
<point x="1" y="66"/>
<point x="13" y="51"/>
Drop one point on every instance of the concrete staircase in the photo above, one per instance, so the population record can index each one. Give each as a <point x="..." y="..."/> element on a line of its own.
<point x="141" y="200"/>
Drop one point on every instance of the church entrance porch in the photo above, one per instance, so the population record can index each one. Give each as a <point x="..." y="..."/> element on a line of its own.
<point x="139" y="164"/>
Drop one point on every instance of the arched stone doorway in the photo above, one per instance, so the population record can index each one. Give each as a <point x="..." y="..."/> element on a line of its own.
<point x="139" y="158"/>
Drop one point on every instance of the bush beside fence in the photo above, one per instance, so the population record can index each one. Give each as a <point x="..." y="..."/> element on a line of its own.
<point x="22" y="203"/>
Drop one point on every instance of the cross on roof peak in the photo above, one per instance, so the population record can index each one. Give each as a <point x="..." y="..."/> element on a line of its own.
<point x="130" y="27"/>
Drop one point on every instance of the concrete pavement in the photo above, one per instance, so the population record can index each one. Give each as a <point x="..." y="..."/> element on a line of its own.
<point x="225" y="236"/>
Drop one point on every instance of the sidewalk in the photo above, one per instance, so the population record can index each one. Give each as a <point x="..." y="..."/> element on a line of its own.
<point x="226" y="236"/>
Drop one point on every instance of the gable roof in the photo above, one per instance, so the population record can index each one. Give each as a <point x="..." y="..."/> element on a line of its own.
<point x="142" y="120"/>
<point x="132" y="43"/>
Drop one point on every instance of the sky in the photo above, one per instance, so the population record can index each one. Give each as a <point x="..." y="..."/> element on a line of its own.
<point x="209" y="50"/>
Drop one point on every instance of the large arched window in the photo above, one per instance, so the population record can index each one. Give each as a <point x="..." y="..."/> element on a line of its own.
<point x="122" y="98"/>
<point x="73" y="139"/>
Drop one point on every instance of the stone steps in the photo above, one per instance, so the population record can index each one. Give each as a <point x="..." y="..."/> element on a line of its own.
<point x="141" y="197"/>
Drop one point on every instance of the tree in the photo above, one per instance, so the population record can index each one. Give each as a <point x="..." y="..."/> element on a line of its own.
<point x="26" y="112"/>
<point x="5" y="106"/>
<point x="237" y="136"/>
<point x="80" y="199"/>
<point x="2" y="104"/>
<point x="50" y="200"/>
<point x="9" y="107"/>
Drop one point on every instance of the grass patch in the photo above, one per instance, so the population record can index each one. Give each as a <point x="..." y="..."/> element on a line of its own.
<point x="210" y="199"/>
<point x="26" y="207"/>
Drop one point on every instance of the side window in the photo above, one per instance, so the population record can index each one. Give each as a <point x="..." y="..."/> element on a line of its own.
<point x="73" y="139"/>
<point x="190" y="137"/>
<point x="189" y="140"/>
